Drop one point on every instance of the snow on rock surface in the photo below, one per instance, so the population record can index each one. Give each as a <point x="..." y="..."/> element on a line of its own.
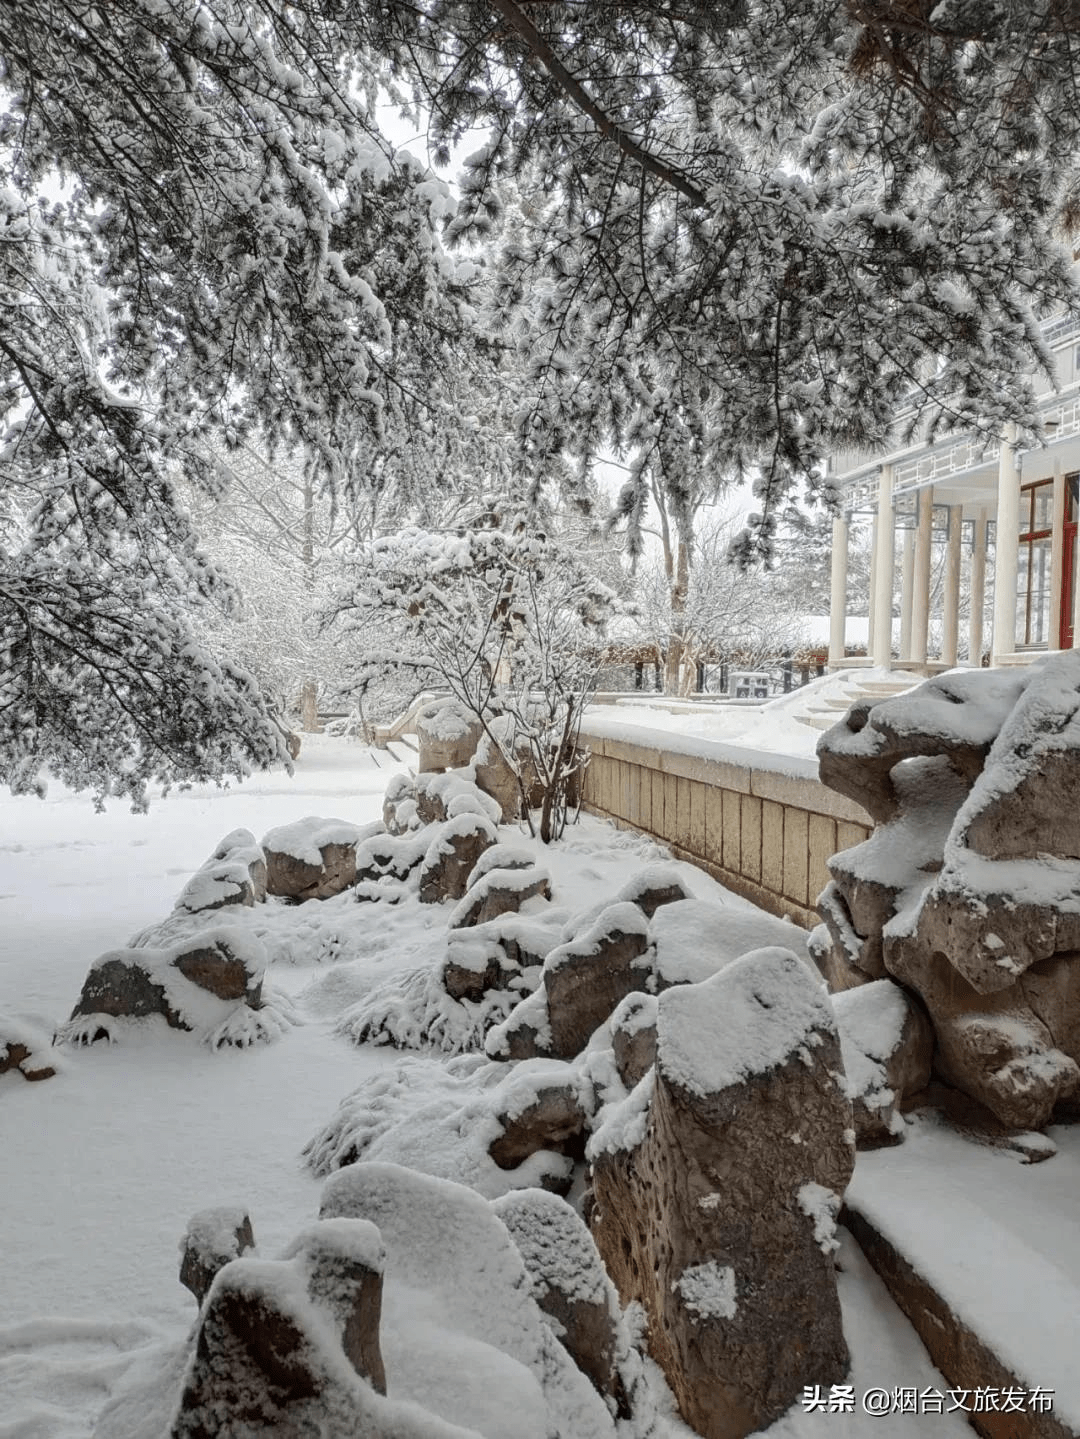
<point x="211" y="985"/>
<point x="158" y="1126"/>
<point x="457" y="1295"/>
<point x="757" y="1014"/>
<point x="568" y="1282"/>
<point x="693" y="938"/>
<point x="313" y="858"/>
<point x="452" y="856"/>
<point x="708" y="1290"/>
<point x="586" y="978"/>
<point x="887" y="1045"/>
<point x="23" y="1049"/>
<point x="449" y="793"/>
<point x="697" y="1177"/>
<point x="968" y="892"/>
<point x="440" y="1120"/>
<point x="213" y="1238"/>
<point x="500" y="891"/>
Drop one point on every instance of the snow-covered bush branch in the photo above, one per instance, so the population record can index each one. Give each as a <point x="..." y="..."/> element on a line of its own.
<point x="505" y="619"/>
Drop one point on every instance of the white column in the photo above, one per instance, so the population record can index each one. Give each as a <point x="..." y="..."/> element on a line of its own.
<point x="920" y="584"/>
<point x="950" y="643"/>
<point x="907" y="569"/>
<point x="1007" y="542"/>
<point x="838" y="593"/>
<point x="1057" y="557"/>
<point x="977" y="590"/>
<point x="871" y="629"/>
<point x="883" y="578"/>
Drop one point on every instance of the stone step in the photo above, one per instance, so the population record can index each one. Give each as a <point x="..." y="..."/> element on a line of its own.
<point x="882" y="689"/>
<point x="817" y="721"/>
<point x="978" y="1251"/>
<point x="404" y="754"/>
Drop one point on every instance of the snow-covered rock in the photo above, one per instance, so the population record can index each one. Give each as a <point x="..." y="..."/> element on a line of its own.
<point x="542" y="1105"/>
<point x="693" y="938"/>
<point x="211" y="984"/>
<point x="452" y="856"/>
<point x="448" y="734"/>
<point x="500" y="891"/>
<point x="968" y="891"/>
<point x="23" y="1048"/>
<point x="313" y="858"/>
<point x="447" y="794"/>
<point x="887" y="1043"/>
<point x="214" y="1237"/>
<point x="633" y="1037"/>
<point x="291" y="1346"/>
<point x="440" y="1120"/>
<point x="697" y="1178"/>
<point x="586" y="978"/>
<point x="569" y="1282"/>
<point x="234" y="874"/>
<point x="457" y="1302"/>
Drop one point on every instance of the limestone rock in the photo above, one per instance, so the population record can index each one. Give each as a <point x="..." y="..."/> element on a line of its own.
<point x="1015" y="1050"/>
<point x="450" y="793"/>
<point x="568" y="1280"/>
<point x="400" y="805"/>
<point x="1027" y="801"/>
<point x="633" y="1037"/>
<point x="693" y="938"/>
<point x="452" y="855"/>
<point x="966" y="890"/>
<point x="312" y="858"/>
<point x="198" y="984"/>
<point x="234" y="874"/>
<point x="887" y="1045"/>
<point x="213" y="1238"/>
<point x="526" y="1031"/>
<point x="586" y="978"/>
<point x="448" y="734"/>
<point x="844" y="959"/>
<point x="956" y="715"/>
<point x="539" y="1109"/>
<point x="21" y="1047"/>
<point x="714" y="1206"/>
<point x="281" y="1344"/>
<point x="499" y="891"/>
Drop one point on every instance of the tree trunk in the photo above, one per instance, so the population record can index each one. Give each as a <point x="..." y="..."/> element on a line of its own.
<point x="309" y="694"/>
<point x="676" y="641"/>
<point x="309" y="707"/>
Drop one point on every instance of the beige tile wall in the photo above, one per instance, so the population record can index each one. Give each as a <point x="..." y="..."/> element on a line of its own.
<point x="763" y="834"/>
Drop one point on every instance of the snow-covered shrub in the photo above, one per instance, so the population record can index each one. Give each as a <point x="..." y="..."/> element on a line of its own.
<point x="507" y="621"/>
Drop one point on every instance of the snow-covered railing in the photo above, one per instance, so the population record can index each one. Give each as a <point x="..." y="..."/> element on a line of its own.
<point x="761" y="823"/>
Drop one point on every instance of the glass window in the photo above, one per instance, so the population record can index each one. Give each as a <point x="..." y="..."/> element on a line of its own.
<point x="1033" y="565"/>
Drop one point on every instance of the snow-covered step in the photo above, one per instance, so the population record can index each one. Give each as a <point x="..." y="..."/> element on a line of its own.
<point x="882" y="689"/>
<point x="403" y="753"/>
<point x="817" y="721"/>
<point x="981" y="1253"/>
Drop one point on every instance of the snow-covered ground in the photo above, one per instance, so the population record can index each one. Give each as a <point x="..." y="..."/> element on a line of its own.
<point x="103" y="1165"/>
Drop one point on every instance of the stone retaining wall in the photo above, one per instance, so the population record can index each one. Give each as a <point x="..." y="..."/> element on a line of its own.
<point x="763" y="833"/>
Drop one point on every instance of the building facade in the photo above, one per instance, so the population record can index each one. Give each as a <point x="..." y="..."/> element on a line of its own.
<point x="963" y="520"/>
